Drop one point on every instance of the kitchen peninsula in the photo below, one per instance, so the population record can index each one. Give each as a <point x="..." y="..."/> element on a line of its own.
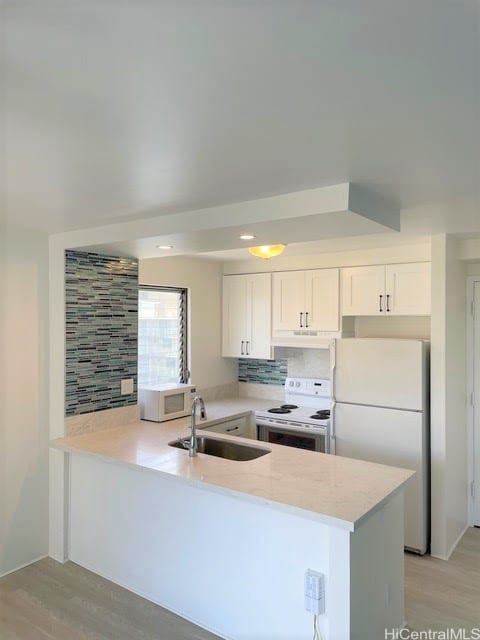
<point x="226" y="543"/>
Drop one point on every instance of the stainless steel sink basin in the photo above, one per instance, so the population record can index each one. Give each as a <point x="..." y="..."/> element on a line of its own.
<point x="222" y="448"/>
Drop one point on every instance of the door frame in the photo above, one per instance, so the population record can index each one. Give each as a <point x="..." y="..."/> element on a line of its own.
<point x="471" y="281"/>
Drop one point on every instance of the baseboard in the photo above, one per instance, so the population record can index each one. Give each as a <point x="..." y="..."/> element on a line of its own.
<point x="447" y="556"/>
<point x="22" y="566"/>
<point x="453" y="547"/>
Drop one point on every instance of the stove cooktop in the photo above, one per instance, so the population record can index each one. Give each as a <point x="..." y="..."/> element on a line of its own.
<point x="297" y="415"/>
<point x="306" y="406"/>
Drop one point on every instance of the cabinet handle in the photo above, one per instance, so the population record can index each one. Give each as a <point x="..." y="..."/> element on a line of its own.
<point x="301" y="319"/>
<point x="247" y="348"/>
<point x="381" y="299"/>
<point x="243" y="348"/>
<point x="388" y="303"/>
<point x="306" y="319"/>
<point x="232" y="429"/>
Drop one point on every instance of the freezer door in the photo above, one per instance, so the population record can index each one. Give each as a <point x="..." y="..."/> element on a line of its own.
<point x="396" y="438"/>
<point x="383" y="373"/>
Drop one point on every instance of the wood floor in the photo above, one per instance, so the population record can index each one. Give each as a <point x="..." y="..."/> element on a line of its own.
<point x="439" y="594"/>
<point x="50" y="601"/>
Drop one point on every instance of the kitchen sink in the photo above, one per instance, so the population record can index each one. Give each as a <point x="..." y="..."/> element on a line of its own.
<point x="222" y="448"/>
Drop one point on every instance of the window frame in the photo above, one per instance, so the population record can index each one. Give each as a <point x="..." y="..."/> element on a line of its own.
<point x="184" y="372"/>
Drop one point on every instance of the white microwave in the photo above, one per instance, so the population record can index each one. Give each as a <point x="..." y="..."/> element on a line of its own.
<point x="165" y="401"/>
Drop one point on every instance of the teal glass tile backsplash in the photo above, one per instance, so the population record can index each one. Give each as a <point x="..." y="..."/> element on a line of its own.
<point x="101" y="331"/>
<point x="263" y="371"/>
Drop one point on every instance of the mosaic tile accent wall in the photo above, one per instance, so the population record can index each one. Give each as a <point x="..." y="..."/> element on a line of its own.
<point x="263" y="371"/>
<point x="101" y="331"/>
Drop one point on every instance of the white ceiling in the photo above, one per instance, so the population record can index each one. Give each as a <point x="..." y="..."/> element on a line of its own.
<point x="116" y="110"/>
<point x="315" y="247"/>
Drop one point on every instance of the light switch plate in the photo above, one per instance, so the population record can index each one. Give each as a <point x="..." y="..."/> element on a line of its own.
<point x="126" y="387"/>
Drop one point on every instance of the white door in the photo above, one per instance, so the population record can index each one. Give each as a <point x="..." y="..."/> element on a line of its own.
<point x="259" y="316"/>
<point x="363" y="291"/>
<point x="234" y="334"/>
<point x="408" y="289"/>
<point x="322" y="298"/>
<point x="381" y="372"/>
<point x="476" y="409"/>
<point x="395" y="438"/>
<point x="288" y="300"/>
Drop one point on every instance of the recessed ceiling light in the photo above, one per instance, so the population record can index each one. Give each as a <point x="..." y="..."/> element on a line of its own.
<point x="165" y="247"/>
<point x="247" y="236"/>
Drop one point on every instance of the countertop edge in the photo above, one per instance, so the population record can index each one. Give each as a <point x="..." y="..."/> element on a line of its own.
<point x="338" y="523"/>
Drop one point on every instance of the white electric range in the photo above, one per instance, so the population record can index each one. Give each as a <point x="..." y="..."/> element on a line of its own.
<point x="303" y="420"/>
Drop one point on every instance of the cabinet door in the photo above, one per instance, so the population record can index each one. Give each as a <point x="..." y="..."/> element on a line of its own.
<point x="408" y="289"/>
<point x="234" y="333"/>
<point x="288" y="300"/>
<point x="259" y="316"/>
<point x="363" y="291"/>
<point x="236" y="427"/>
<point x="322" y="297"/>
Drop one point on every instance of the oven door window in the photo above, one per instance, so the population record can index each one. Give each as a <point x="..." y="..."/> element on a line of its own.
<point x="297" y="440"/>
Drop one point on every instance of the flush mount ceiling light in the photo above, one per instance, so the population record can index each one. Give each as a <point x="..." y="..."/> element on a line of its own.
<point x="267" y="251"/>
<point x="247" y="236"/>
<point x="164" y="247"/>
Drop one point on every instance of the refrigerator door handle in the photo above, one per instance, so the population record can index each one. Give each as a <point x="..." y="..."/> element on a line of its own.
<point x="331" y="449"/>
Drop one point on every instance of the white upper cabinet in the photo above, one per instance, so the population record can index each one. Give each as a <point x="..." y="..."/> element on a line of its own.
<point x="306" y="300"/>
<point x="288" y="300"/>
<point x="322" y="299"/>
<point x="234" y="315"/>
<point x="259" y="316"/>
<point x="398" y="289"/>
<point x="408" y="289"/>
<point x="247" y="316"/>
<point x="363" y="291"/>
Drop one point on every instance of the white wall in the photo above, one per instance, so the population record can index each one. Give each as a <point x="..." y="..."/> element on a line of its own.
<point x="393" y="327"/>
<point x="23" y="398"/>
<point x="448" y="386"/>
<point x="472" y="268"/>
<point x="203" y="278"/>
<point x="456" y="410"/>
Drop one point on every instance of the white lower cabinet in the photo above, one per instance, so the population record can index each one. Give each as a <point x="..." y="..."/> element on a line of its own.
<point x="236" y="427"/>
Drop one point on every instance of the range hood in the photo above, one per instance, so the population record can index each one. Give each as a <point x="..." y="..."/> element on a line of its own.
<point x="307" y="338"/>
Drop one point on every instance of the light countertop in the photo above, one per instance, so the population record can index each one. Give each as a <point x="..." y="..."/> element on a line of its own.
<point x="338" y="491"/>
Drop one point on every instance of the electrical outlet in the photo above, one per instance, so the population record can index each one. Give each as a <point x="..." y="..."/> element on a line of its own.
<point x="126" y="387"/>
<point x="314" y="592"/>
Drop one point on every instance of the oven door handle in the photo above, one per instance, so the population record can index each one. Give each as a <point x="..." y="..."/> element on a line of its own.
<point x="293" y="428"/>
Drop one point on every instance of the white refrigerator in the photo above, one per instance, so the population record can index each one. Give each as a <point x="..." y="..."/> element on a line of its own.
<point x="381" y="414"/>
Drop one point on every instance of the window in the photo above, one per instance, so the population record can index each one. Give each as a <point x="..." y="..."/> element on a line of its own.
<point x="162" y="336"/>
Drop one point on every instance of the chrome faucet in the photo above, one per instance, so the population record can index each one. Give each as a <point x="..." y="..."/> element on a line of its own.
<point x="192" y="448"/>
